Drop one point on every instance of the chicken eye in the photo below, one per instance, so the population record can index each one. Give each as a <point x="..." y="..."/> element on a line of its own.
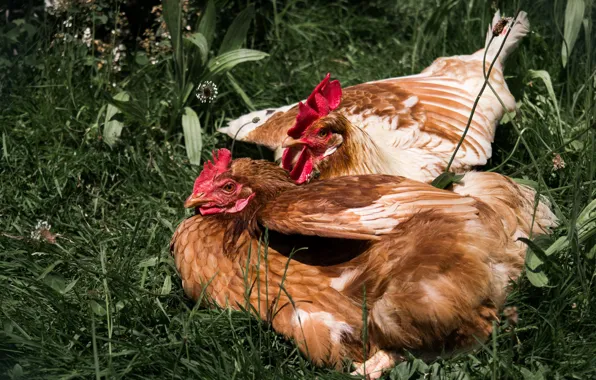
<point x="229" y="187"/>
<point x="322" y="133"/>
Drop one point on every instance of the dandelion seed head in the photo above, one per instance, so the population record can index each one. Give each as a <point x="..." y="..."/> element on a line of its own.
<point x="207" y="92"/>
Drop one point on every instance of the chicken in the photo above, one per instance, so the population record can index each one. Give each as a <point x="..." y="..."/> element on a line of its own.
<point x="416" y="121"/>
<point x="429" y="266"/>
<point x="331" y="146"/>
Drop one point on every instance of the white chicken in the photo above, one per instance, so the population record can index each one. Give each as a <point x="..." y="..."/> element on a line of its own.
<point x="418" y="120"/>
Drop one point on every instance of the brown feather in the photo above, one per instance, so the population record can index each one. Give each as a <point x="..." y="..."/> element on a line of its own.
<point x="434" y="280"/>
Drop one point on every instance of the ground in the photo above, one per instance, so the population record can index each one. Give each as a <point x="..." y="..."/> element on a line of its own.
<point x="87" y="285"/>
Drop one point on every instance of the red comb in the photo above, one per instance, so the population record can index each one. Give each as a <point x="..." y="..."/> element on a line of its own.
<point x="324" y="99"/>
<point x="221" y="161"/>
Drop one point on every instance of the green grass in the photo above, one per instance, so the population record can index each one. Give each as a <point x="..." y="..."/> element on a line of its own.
<point x="105" y="301"/>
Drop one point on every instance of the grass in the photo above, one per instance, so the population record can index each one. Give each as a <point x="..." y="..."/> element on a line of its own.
<point x="105" y="301"/>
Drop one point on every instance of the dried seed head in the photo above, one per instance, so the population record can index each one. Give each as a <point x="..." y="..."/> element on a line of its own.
<point x="558" y="162"/>
<point x="500" y="26"/>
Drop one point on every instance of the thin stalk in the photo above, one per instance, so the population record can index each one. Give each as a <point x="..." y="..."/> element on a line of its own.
<point x="517" y="130"/>
<point x="461" y="140"/>
<point x="574" y="185"/>
<point x="590" y="90"/>
<point x="515" y="148"/>
<point x="275" y="19"/>
<point x="94" y="345"/>
<point x="107" y="303"/>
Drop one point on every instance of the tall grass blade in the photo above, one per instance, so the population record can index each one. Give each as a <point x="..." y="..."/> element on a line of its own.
<point x="171" y="14"/>
<point x="207" y="22"/>
<point x="544" y="76"/>
<point x="240" y="92"/>
<point x="200" y="42"/>
<point x="225" y="62"/>
<point x="236" y="34"/>
<point x="574" y="15"/>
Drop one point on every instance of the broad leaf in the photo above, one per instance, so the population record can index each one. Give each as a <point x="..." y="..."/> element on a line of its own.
<point x="527" y="182"/>
<point x="558" y="246"/>
<point x="187" y="91"/>
<point x="172" y="12"/>
<point x="192" y="135"/>
<point x="538" y="279"/>
<point x="166" y="288"/>
<point x="585" y="217"/>
<point x="200" y="42"/>
<point x="535" y="260"/>
<point x="236" y="34"/>
<point x="591" y="253"/>
<point x="544" y="76"/>
<point x="207" y="22"/>
<point x="55" y="282"/>
<point x="128" y="107"/>
<point x="97" y="308"/>
<point x="17" y="372"/>
<point x="446" y="179"/>
<point x="225" y="62"/>
<point x="113" y="128"/>
<point x="574" y="15"/>
<point x="141" y="59"/>
<point x="150" y="262"/>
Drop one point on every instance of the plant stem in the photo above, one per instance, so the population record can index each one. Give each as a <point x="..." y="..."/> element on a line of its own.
<point x="461" y="140"/>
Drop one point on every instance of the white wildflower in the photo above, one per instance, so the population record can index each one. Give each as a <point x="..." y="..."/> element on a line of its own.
<point x="119" y="54"/>
<point x="206" y="92"/>
<point x="56" y="6"/>
<point x="87" y="37"/>
<point x="68" y="22"/>
<point x="42" y="230"/>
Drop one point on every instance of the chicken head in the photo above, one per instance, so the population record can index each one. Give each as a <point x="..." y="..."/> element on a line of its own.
<point x="303" y="155"/>
<point x="215" y="191"/>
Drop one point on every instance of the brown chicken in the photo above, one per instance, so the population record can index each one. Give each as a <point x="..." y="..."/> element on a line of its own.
<point x="335" y="147"/>
<point x="429" y="266"/>
<point x="416" y="121"/>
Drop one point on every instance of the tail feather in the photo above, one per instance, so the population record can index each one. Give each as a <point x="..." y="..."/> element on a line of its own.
<point x="240" y="128"/>
<point x="519" y="30"/>
<point x="513" y="202"/>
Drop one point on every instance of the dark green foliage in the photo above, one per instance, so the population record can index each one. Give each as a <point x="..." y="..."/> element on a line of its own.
<point x="105" y="301"/>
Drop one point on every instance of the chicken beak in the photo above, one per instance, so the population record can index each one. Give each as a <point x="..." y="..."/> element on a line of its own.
<point x="291" y="142"/>
<point x="196" y="200"/>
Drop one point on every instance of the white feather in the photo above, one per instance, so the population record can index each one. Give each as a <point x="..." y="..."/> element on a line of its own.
<point x="239" y="128"/>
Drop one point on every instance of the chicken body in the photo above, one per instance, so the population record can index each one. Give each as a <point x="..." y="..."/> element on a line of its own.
<point x="354" y="152"/>
<point x="416" y="121"/>
<point x="430" y="267"/>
